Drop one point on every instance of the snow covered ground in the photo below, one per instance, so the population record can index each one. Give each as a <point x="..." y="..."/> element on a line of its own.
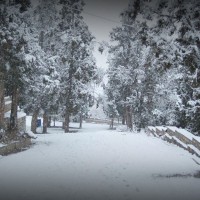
<point x="97" y="163"/>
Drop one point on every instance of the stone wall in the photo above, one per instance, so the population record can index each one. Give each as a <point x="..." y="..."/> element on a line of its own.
<point x="196" y="143"/>
<point x="180" y="137"/>
<point x="15" y="146"/>
<point x="170" y="132"/>
<point x="160" y="130"/>
<point x="151" y="130"/>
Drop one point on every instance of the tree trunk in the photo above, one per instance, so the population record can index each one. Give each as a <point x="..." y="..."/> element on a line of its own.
<point x="13" y="128"/>
<point x="34" y="120"/>
<point x="45" y="122"/>
<point x="81" y="121"/>
<point x="66" y="125"/>
<point x="54" y="121"/>
<point x="123" y="119"/>
<point x="111" y="123"/>
<point x="129" y="118"/>
<point x="2" y="104"/>
<point x="49" y="121"/>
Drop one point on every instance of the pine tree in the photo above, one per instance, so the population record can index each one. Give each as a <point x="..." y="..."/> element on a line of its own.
<point x="41" y="93"/>
<point x="13" y="57"/>
<point x="127" y="72"/>
<point x="77" y="67"/>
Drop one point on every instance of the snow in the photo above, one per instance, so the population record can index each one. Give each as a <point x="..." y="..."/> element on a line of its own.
<point x="121" y="128"/>
<point x="197" y="138"/>
<point x="65" y="37"/>
<point x="186" y="133"/>
<point x="29" y="58"/>
<point x="6" y="98"/>
<point x="180" y="142"/>
<point x="97" y="163"/>
<point x="19" y="114"/>
<point x="161" y="128"/>
<point x="31" y="134"/>
<point x="172" y="128"/>
<point x="7" y="114"/>
<point x="152" y="128"/>
<point x="2" y="145"/>
<point x="194" y="148"/>
<point x="167" y="135"/>
<point x="97" y="112"/>
<point x="8" y="102"/>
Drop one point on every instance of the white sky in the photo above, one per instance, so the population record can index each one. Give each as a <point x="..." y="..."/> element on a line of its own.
<point x="100" y="28"/>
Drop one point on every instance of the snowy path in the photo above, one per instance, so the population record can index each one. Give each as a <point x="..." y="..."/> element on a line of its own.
<point x="96" y="163"/>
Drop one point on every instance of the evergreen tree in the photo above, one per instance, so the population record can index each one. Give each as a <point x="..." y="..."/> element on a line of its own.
<point x="77" y="66"/>
<point x="127" y="68"/>
<point x="13" y="63"/>
<point x="176" y="37"/>
<point x="171" y="31"/>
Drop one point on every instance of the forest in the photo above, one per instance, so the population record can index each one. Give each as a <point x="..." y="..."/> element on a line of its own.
<point x="154" y="66"/>
<point x="47" y="64"/>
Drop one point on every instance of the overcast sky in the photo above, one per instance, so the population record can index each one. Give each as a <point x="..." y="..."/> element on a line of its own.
<point x="110" y="9"/>
<point x="100" y="28"/>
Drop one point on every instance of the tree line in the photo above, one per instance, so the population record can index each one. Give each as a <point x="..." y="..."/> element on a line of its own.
<point x="46" y="61"/>
<point x="154" y="65"/>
